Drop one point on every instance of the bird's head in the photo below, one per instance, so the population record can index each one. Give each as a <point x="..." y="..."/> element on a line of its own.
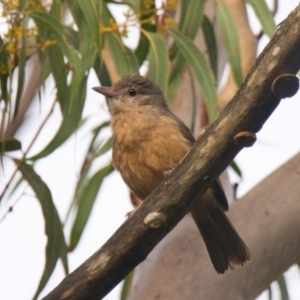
<point x="131" y="93"/>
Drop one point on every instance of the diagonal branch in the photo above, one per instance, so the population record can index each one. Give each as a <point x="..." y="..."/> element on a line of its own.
<point x="268" y="220"/>
<point x="213" y="151"/>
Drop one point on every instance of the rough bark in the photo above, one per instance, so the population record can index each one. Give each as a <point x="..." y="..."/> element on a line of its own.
<point x="213" y="151"/>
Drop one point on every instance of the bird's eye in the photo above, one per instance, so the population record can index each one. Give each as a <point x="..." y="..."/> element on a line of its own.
<point x="132" y="92"/>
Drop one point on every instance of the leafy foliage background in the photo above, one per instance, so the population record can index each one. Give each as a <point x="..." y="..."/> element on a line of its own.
<point x="63" y="44"/>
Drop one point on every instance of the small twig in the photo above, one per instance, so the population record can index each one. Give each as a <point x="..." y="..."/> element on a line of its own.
<point x="27" y="150"/>
<point x="10" y="208"/>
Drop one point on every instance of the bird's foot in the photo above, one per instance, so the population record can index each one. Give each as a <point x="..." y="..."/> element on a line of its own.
<point x="130" y="213"/>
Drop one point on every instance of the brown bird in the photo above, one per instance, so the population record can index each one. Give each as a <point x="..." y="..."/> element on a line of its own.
<point x="148" y="141"/>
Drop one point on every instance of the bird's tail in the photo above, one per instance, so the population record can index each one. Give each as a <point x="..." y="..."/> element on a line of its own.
<point x="224" y="245"/>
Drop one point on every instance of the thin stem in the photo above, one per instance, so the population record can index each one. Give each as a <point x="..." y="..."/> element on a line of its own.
<point x="28" y="148"/>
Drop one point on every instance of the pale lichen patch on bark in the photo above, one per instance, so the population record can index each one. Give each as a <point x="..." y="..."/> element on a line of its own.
<point x="271" y="65"/>
<point x="100" y="263"/>
<point x="155" y="219"/>
<point x="276" y="50"/>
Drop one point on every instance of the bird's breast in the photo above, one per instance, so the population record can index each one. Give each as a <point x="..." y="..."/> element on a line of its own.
<point x="145" y="146"/>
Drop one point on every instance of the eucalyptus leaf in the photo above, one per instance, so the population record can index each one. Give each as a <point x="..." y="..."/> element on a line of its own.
<point x="127" y="284"/>
<point x="264" y="15"/>
<point x="158" y="60"/>
<point x="211" y="44"/>
<point x="283" y="288"/>
<point x="231" y="40"/>
<point x="21" y="67"/>
<point x="236" y="169"/>
<point x="70" y="121"/>
<point x="10" y="145"/>
<point x="85" y="201"/>
<point x="56" y="245"/>
<point x="203" y="73"/>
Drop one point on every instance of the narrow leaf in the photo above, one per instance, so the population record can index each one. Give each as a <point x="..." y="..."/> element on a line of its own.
<point x="21" y="5"/>
<point x="203" y="73"/>
<point x="105" y="147"/>
<point x="10" y="145"/>
<point x="90" y="14"/>
<point x="70" y="121"/>
<point x="236" y="169"/>
<point x="86" y="200"/>
<point x="21" y="68"/>
<point x="270" y="293"/>
<point x="87" y="164"/>
<point x="127" y="284"/>
<point x="231" y="41"/>
<point x="211" y="44"/>
<point x="135" y="5"/>
<point x="56" y="246"/>
<point x="191" y="17"/>
<point x="122" y="57"/>
<point x="57" y="30"/>
<point x="264" y="15"/>
<point x="283" y="288"/>
<point x="158" y="60"/>
<point x="146" y="11"/>
<point x="59" y="72"/>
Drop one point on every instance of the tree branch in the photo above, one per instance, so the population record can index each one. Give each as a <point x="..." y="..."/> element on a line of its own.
<point x="268" y="220"/>
<point x="212" y="152"/>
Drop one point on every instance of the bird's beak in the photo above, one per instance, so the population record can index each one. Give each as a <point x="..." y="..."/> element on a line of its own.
<point x="105" y="91"/>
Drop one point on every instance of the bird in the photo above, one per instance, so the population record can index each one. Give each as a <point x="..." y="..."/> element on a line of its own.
<point x="148" y="142"/>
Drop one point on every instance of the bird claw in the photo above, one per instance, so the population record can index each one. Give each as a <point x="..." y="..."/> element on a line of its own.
<point x="167" y="173"/>
<point x="130" y="213"/>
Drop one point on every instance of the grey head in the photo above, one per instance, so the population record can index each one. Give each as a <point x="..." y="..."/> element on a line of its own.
<point x="133" y="92"/>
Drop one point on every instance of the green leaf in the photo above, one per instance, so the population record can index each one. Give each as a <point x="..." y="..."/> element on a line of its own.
<point x="57" y="30"/>
<point x="142" y="49"/>
<point x="59" y="73"/>
<point x="21" y="67"/>
<point x="10" y="145"/>
<point x="85" y="201"/>
<point x="127" y="284"/>
<point x="203" y="73"/>
<point x="87" y="164"/>
<point x="102" y="72"/>
<point x="3" y="74"/>
<point x="174" y="84"/>
<point x="21" y="5"/>
<point x="158" y="60"/>
<point x="123" y="58"/>
<point x="105" y="147"/>
<point x="70" y="121"/>
<point x="146" y="12"/>
<point x="264" y="15"/>
<point x="211" y="44"/>
<point x="283" y="288"/>
<point x="90" y="14"/>
<point x="270" y="293"/>
<point x="236" y="169"/>
<point x="56" y="246"/>
<point x="231" y="41"/>
<point x="56" y="8"/>
<point x="191" y="17"/>
<point x="85" y="16"/>
<point x="135" y="5"/>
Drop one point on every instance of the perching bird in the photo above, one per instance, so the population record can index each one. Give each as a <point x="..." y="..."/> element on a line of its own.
<point x="148" y="141"/>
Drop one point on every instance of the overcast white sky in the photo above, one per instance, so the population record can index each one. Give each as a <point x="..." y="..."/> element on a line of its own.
<point x="22" y="237"/>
